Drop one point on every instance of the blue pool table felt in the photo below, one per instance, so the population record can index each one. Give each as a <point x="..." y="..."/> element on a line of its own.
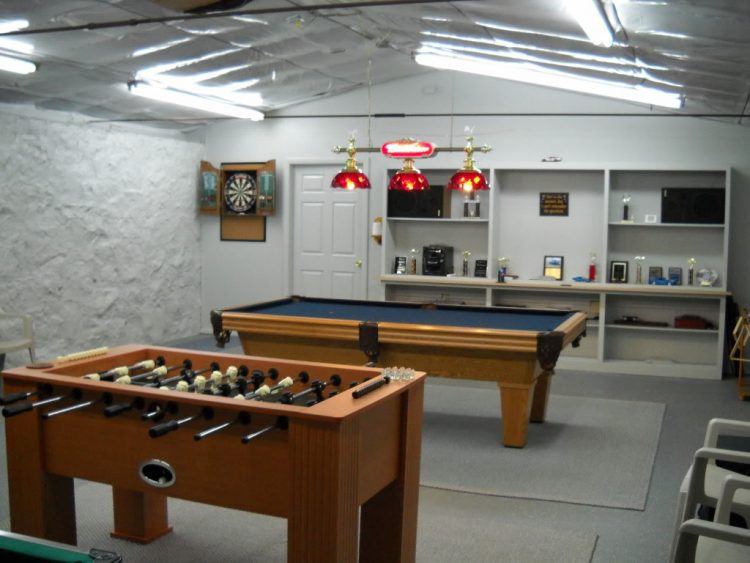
<point x="500" y="319"/>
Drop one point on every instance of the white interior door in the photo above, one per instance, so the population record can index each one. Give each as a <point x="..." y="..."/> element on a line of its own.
<point x="330" y="230"/>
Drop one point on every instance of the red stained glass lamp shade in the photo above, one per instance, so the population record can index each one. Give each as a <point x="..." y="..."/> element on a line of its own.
<point x="351" y="180"/>
<point x="351" y="177"/>
<point x="409" y="179"/>
<point x="468" y="181"/>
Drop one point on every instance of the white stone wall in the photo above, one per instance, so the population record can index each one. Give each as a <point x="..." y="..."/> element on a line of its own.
<point x="99" y="234"/>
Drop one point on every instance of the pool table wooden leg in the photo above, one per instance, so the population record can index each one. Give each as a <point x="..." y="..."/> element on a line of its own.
<point x="515" y="403"/>
<point x="41" y="505"/>
<point x="139" y="517"/>
<point x="541" y="396"/>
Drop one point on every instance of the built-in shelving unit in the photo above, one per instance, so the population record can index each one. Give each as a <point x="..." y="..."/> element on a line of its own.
<point x="510" y="226"/>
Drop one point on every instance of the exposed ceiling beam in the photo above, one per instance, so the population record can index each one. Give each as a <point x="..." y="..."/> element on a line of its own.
<point x="252" y="12"/>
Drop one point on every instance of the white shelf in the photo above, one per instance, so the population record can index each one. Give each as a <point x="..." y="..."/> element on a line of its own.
<point x="668" y="225"/>
<point x="513" y="227"/>
<point x="713" y="332"/>
<point x="438" y="220"/>
<point x="561" y="286"/>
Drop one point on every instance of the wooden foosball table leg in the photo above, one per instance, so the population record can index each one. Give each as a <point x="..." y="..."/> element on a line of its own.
<point x="41" y="505"/>
<point x="389" y="519"/>
<point x="139" y="517"/>
<point x="323" y="520"/>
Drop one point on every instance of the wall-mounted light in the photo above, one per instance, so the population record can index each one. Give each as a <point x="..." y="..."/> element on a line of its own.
<point x="350" y="177"/>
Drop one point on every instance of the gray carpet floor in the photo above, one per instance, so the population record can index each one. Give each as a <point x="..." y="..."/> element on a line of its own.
<point x="623" y="535"/>
<point x="233" y="536"/>
<point x="589" y="451"/>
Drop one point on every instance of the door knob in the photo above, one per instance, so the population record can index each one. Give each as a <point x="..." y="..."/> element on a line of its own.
<point x="358" y="263"/>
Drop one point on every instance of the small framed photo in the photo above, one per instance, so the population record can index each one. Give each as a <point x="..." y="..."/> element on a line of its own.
<point x="655" y="273"/>
<point x="480" y="268"/>
<point x="553" y="267"/>
<point x="618" y="271"/>
<point x="675" y="275"/>
<point x="400" y="265"/>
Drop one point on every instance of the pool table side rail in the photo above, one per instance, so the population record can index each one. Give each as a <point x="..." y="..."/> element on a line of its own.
<point x="407" y="334"/>
<point x="65" y="374"/>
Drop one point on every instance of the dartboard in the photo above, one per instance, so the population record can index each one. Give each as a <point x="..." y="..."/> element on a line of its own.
<point x="240" y="192"/>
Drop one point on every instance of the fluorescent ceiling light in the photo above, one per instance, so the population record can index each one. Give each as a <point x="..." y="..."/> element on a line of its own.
<point x="195" y="102"/>
<point x="592" y="20"/>
<point x="17" y="46"/>
<point x="532" y="74"/>
<point x="513" y="29"/>
<point x="6" y="26"/>
<point x="160" y="47"/>
<point x="635" y="71"/>
<point x="18" y="66"/>
<point x="614" y="60"/>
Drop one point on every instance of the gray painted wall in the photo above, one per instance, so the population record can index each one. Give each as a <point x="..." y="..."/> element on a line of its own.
<point x="236" y="272"/>
<point x="98" y="233"/>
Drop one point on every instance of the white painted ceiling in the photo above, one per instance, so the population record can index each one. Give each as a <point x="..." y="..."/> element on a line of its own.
<point x="700" y="48"/>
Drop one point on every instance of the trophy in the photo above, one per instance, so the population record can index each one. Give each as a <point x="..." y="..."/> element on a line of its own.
<point x="592" y="267"/>
<point x="413" y="261"/>
<point x="471" y="205"/>
<point x="691" y="270"/>
<point x="502" y="268"/>
<point x="626" y="208"/>
<point x="465" y="267"/>
<point x="638" y="268"/>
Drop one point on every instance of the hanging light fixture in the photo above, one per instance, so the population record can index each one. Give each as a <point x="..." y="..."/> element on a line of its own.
<point x="409" y="179"/>
<point x="351" y="177"/>
<point x="469" y="178"/>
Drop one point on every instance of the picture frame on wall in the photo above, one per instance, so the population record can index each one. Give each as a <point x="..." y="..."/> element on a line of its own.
<point x="553" y="267"/>
<point x="618" y="271"/>
<point x="655" y="273"/>
<point x="675" y="275"/>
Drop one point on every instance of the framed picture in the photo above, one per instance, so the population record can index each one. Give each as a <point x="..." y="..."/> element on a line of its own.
<point x="553" y="267"/>
<point x="618" y="271"/>
<point x="655" y="273"/>
<point x="675" y="275"/>
<point x="480" y="268"/>
<point x="399" y="266"/>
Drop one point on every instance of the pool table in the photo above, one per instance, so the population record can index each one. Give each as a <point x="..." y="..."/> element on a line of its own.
<point x="21" y="548"/>
<point x="516" y="347"/>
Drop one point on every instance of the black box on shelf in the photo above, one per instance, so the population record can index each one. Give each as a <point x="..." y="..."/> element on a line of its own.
<point x="437" y="260"/>
<point x="692" y="205"/>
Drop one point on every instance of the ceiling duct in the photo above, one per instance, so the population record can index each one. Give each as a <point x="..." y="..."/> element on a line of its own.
<point x="202" y="6"/>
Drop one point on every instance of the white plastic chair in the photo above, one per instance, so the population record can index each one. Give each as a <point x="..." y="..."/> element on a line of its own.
<point x="26" y="341"/>
<point x="710" y="476"/>
<point x="700" y="541"/>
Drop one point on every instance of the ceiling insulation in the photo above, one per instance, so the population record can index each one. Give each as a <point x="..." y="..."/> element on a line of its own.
<point x="699" y="48"/>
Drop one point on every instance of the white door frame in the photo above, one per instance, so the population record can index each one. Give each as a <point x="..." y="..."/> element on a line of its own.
<point x="288" y="222"/>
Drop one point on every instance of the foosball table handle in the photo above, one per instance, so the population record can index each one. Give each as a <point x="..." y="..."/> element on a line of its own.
<point x="18" y="408"/>
<point x="163" y="428"/>
<point x="15" y="397"/>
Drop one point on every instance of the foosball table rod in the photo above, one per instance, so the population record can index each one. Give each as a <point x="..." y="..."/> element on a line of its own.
<point x="282" y="423"/>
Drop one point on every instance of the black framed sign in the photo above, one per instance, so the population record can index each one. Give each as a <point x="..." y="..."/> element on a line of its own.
<point x="553" y="204"/>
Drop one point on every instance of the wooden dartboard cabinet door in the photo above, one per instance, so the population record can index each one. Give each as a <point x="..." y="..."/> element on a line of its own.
<point x="243" y="217"/>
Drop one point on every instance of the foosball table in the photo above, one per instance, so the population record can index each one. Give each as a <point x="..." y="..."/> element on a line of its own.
<point x="310" y="442"/>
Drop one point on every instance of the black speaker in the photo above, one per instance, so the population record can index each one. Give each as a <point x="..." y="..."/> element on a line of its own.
<point x="692" y="205"/>
<point x="432" y="203"/>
